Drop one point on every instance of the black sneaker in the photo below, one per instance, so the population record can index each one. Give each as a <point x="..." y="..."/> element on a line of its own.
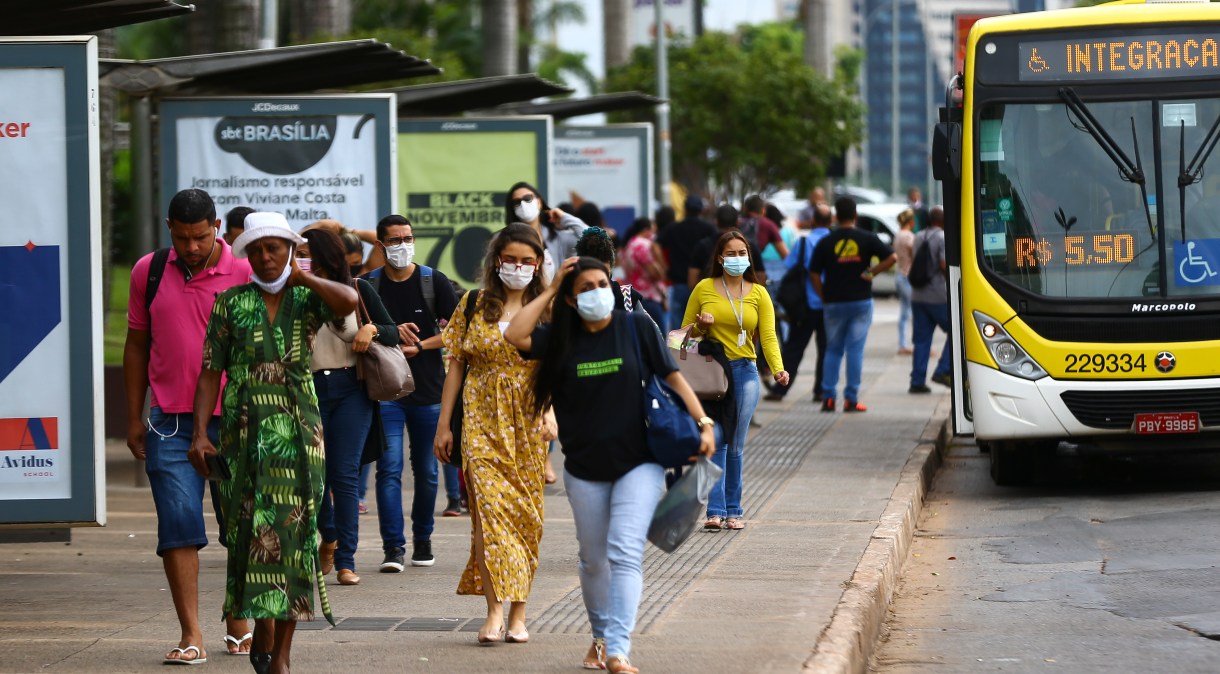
<point x="393" y="560"/>
<point x="828" y="405"/>
<point x="943" y="379"/>
<point x="422" y="555"/>
<point x="921" y="388"/>
<point x="453" y="508"/>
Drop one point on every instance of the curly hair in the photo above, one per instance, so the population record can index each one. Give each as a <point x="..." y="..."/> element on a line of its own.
<point x="596" y="243"/>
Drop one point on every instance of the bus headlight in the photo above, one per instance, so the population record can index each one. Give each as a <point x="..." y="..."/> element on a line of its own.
<point x="1009" y="355"/>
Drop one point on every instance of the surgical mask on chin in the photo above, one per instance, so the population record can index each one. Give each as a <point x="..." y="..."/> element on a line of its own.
<point x="736" y="266"/>
<point x="273" y="287"/>
<point x="596" y="304"/>
<point x="517" y="279"/>
<point x="528" y="210"/>
<point x="401" y="255"/>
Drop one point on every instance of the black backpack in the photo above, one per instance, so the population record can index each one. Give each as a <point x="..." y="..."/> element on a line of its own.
<point x="791" y="296"/>
<point x="921" y="267"/>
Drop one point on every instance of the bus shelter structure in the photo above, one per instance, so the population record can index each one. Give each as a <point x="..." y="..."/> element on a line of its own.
<point x="72" y="17"/>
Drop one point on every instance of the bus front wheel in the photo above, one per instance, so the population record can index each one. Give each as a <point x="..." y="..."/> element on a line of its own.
<point x="1012" y="463"/>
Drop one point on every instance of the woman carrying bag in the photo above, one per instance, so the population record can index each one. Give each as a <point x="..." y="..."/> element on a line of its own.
<point x="347" y="412"/>
<point x="612" y="480"/>
<point x="729" y="307"/>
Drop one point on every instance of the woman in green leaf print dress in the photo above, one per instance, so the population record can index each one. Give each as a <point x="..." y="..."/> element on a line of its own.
<point x="260" y="335"/>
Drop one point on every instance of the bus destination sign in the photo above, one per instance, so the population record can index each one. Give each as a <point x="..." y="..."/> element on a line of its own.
<point x="1114" y="58"/>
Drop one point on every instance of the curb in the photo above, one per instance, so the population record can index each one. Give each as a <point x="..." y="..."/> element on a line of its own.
<point x="847" y="643"/>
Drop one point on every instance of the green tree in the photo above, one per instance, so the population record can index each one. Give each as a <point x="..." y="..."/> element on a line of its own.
<point x="747" y="114"/>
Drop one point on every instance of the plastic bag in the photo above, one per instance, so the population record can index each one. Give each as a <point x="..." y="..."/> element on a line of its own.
<point x="683" y="507"/>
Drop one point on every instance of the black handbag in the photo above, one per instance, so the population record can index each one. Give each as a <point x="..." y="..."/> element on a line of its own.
<point x="670" y="432"/>
<point x="455" y="421"/>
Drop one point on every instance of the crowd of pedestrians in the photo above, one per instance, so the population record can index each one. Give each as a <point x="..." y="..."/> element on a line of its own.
<point x="251" y="346"/>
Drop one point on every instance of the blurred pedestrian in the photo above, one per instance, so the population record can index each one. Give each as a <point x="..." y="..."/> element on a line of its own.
<point x="503" y="441"/>
<point x="235" y="223"/>
<point x="844" y="258"/>
<point x="728" y="308"/>
<point x="588" y="356"/>
<point x="678" y="241"/>
<point x="903" y="248"/>
<point x="930" y="304"/>
<point x="260" y="336"/>
<point x="644" y="269"/>
<point x="812" y="323"/>
<point x="347" y="412"/>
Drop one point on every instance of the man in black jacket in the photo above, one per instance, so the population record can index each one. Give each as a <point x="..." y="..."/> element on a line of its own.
<point x="678" y="241"/>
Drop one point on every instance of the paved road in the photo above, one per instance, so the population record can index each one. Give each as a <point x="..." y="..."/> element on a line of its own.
<point x="1106" y="566"/>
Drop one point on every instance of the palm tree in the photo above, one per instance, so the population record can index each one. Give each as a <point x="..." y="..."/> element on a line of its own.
<point x="617" y="15"/>
<point x="313" y="19"/>
<point x="499" y="28"/>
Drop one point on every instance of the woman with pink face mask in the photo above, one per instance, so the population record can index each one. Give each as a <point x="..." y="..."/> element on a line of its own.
<point x="503" y="441"/>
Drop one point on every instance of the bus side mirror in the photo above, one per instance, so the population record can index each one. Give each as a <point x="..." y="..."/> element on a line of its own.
<point x="947" y="151"/>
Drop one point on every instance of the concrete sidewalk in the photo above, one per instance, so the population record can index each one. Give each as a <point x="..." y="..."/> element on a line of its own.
<point x="830" y="503"/>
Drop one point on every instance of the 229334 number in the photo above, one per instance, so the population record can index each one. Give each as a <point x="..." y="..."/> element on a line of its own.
<point x="1085" y="363"/>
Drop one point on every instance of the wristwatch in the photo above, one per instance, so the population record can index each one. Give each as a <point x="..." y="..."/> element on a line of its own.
<point x="705" y="421"/>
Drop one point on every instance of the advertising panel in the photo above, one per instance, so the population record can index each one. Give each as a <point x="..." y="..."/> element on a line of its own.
<point x="51" y="451"/>
<point x="455" y="175"/>
<point x="610" y="166"/>
<point x="310" y="158"/>
<point x="679" y="17"/>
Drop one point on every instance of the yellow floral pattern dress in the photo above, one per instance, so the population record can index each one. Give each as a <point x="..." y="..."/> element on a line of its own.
<point x="503" y="455"/>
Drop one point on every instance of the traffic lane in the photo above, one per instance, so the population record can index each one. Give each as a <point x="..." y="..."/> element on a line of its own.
<point x="1104" y="564"/>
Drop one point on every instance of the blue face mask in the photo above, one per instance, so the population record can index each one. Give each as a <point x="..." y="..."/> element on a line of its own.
<point x="736" y="266"/>
<point x="596" y="304"/>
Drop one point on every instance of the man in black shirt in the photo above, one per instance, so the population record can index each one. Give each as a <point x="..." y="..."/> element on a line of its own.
<point x="845" y="257"/>
<point x="678" y="241"/>
<point x="417" y="298"/>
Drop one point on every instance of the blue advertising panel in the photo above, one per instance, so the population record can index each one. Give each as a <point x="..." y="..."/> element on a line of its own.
<point x="52" y="456"/>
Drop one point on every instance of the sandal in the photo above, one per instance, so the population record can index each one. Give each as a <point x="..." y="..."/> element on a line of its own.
<point x="233" y="644"/>
<point x="199" y="658"/>
<point x="621" y="665"/>
<point x="734" y="524"/>
<point x="596" y="658"/>
<point x="713" y="524"/>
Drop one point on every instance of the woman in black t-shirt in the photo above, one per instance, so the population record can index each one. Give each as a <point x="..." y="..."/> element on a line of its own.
<point x="613" y="482"/>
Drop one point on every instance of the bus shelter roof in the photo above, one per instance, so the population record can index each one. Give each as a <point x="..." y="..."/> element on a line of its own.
<point x="451" y="98"/>
<point x="73" y="17"/>
<point x="575" y="107"/>
<point x="281" y="70"/>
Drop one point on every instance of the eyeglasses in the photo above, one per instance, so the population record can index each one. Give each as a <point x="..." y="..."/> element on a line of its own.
<point x="394" y="241"/>
<point x="517" y="266"/>
<point x="523" y="200"/>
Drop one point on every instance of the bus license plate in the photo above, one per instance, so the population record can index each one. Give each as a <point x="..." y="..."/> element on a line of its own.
<point x="1167" y="422"/>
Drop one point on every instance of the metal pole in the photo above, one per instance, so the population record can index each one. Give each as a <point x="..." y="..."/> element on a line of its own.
<point x="895" y="189"/>
<point x="268" y="39"/>
<point x="141" y="173"/>
<point x="663" y="167"/>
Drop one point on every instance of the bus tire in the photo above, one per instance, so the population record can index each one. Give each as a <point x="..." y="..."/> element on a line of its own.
<point x="1012" y="463"/>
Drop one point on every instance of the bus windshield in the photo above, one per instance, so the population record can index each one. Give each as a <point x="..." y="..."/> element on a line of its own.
<point x="1062" y="216"/>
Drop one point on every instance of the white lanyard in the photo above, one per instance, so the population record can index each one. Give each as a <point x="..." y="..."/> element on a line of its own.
<point x="741" y="336"/>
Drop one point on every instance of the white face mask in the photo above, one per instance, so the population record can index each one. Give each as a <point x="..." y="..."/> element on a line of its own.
<point x="596" y="304"/>
<point x="517" y="279"/>
<point x="401" y="255"/>
<point x="528" y="210"/>
<point x="273" y="287"/>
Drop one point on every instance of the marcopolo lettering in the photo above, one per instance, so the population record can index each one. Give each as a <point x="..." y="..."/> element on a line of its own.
<point x="1140" y="307"/>
<point x="14" y="129"/>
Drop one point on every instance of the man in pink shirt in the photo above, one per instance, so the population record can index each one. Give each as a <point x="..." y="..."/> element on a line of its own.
<point x="164" y="353"/>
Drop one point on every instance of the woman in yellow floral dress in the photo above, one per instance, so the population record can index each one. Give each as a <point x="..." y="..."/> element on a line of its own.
<point x="503" y="443"/>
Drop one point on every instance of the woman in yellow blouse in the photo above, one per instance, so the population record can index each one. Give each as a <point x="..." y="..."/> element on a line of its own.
<point x="730" y="307"/>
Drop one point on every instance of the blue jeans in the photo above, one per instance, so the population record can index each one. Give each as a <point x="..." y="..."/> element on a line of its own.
<point x="347" y="414"/>
<point x="177" y="488"/>
<point x="903" y="285"/>
<point x="725" y="499"/>
<point x="612" y="521"/>
<point x="929" y="316"/>
<point x="420" y="422"/>
<point x="847" y="325"/>
<point x="679" y="295"/>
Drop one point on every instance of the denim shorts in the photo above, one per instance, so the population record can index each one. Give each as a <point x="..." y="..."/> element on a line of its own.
<point x="177" y="488"/>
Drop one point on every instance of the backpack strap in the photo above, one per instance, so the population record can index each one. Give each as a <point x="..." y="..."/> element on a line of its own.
<point x="156" y="271"/>
<point x="426" y="282"/>
<point x="470" y="305"/>
<point x="626" y="289"/>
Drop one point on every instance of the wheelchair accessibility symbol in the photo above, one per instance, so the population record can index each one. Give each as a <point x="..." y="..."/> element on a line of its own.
<point x="1200" y="262"/>
<point x="1036" y="63"/>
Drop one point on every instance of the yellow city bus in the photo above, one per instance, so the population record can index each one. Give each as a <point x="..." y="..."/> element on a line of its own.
<point x="1083" y="231"/>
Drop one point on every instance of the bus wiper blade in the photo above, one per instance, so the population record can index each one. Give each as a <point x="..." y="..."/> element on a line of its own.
<point x="1129" y="171"/>
<point x="1139" y="167"/>
<point x="1189" y="175"/>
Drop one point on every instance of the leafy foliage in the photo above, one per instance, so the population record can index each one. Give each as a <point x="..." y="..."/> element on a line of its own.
<point x="747" y="114"/>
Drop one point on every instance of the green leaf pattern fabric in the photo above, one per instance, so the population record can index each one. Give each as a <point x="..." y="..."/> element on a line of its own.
<point x="270" y="435"/>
